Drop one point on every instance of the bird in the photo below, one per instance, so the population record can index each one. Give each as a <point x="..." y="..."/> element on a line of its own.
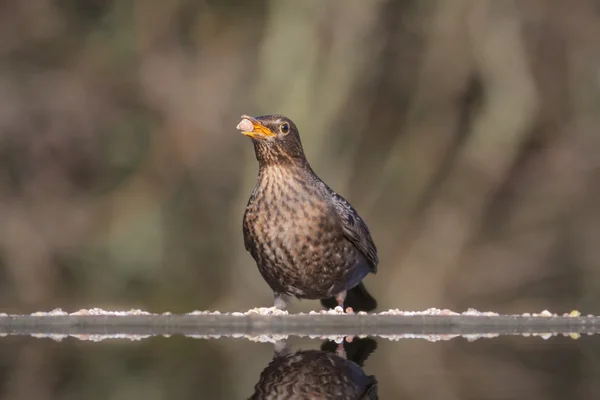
<point x="308" y="242"/>
<point x="327" y="373"/>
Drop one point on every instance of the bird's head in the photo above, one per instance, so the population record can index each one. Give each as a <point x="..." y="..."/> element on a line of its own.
<point x="275" y="137"/>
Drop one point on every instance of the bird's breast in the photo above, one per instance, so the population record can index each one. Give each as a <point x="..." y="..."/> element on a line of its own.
<point x="294" y="233"/>
<point x="290" y="214"/>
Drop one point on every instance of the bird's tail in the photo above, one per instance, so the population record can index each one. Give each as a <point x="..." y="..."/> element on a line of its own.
<point x="358" y="298"/>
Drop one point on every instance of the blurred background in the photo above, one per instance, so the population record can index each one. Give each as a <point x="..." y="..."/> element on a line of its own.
<point x="465" y="132"/>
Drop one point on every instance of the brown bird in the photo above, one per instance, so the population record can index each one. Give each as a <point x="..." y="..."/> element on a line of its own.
<point x="308" y="242"/>
<point x="319" y="374"/>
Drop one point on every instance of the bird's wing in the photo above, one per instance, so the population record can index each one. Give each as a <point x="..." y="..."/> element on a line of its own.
<point x="247" y="242"/>
<point x="355" y="230"/>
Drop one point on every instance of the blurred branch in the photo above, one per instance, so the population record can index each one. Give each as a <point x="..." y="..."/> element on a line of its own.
<point x="482" y="163"/>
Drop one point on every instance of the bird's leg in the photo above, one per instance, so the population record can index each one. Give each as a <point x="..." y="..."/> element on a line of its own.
<point x="281" y="348"/>
<point x="340" y="351"/>
<point x="280" y="302"/>
<point x="340" y="299"/>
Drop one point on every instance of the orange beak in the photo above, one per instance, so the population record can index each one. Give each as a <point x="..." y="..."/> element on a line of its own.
<point x="251" y="127"/>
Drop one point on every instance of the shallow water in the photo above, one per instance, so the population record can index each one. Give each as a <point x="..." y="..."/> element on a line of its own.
<point x="180" y="367"/>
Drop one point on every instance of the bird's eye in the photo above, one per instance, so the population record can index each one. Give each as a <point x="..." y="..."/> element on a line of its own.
<point x="284" y="128"/>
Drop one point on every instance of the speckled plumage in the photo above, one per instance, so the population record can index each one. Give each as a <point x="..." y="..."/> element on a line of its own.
<point x="308" y="242"/>
<point x="318" y="374"/>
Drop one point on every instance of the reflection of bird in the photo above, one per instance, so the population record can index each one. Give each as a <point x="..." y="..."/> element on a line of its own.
<point x="307" y="241"/>
<point x="319" y="374"/>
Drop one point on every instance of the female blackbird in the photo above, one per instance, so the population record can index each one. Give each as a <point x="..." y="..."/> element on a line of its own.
<point x="308" y="242"/>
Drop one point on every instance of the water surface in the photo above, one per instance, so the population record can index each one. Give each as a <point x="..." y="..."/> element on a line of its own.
<point x="180" y="367"/>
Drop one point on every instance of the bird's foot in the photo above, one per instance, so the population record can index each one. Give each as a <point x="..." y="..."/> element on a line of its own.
<point x="340" y="310"/>
<point x="267" y="311"/>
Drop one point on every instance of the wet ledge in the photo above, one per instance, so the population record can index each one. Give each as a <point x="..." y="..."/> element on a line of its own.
<point x="255" y="323"/>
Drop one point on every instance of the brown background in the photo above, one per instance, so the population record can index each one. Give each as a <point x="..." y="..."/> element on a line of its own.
<point x="465" y="132"/>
